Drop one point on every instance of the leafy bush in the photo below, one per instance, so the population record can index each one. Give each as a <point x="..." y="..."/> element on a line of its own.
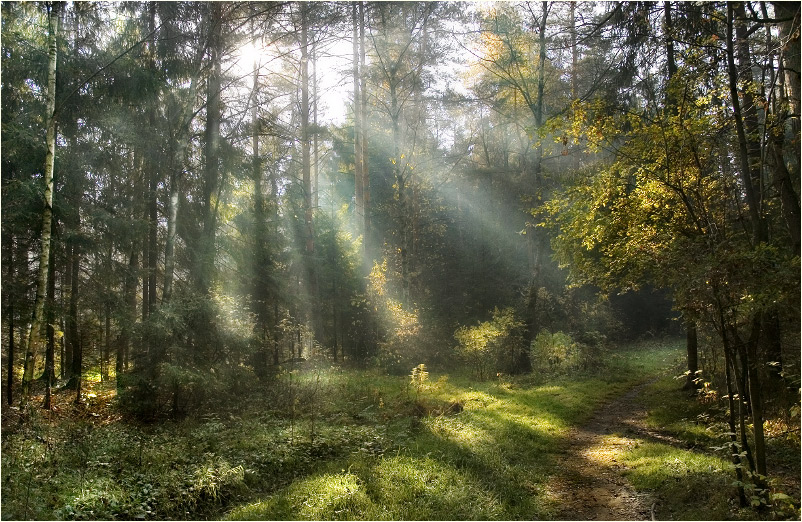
<point x="553" y="352"/>
<point x="559" y="352"/>
<point x="491" y="346"/>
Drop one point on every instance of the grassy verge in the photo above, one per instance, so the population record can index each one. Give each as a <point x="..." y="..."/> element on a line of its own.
<point x="691" y="476"/>
<point x="321" y="444"/>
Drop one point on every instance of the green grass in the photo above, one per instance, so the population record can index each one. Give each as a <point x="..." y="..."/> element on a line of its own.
<point x="693" y="478"/>
<point x="688" y="485"/>
<point x="359" y="445"/>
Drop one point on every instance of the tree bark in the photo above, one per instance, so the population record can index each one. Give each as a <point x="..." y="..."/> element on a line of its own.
<point x="359" y="205"/>
<point x="49" y="376"/>
<point x="692" y="347"/>
<point x="745" y="118"/>
<point x="363" y="134"/>
<point x="206" y="249"/>
<point x="789" y="12"/>
<point x="11" y="294"/>
<point x="129" y="298"/>
<point x="535" y="240"/>
<point x="34" y="338"/>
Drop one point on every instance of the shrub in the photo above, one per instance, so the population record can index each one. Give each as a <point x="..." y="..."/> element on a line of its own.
<point x="491" y="346"/>
<point x="559" y="352"/>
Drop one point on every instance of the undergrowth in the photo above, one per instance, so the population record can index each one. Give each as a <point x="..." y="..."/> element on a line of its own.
<point x="323" y="443"/>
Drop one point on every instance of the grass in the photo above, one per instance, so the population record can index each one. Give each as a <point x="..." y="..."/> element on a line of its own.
<point x="331" y="444"/>
<point x="693" y="478"/>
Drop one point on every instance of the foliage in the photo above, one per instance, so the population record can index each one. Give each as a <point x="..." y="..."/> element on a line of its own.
<point x="418" y="379"/>
<point x="558" y="352"/>
<point x="491" y="346"/>
<point x="478" y="462"/>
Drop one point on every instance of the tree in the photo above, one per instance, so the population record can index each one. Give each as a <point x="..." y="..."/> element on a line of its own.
<point x="656" y="213"/>
<point x="47" y="213"/>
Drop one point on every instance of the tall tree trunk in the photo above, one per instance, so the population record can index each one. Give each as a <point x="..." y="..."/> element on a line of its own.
<point x="535" y="238"/>
<point x="745" y="117"/>
<point x="359" y="204"/>
<point x="749" y="156"/>
<point x="150" y="183"/>
<point x="789" y="81"/>
<point x="756" y="400"/>
<point x="363" y="134"/>
<point x="260" y="268"/>
<point x="306" y="143"/>
<point x="49" y="376"/>
<point x="129" y="298"/>
<point x="205" y="264"/>
<point x="692" y="348"/>
<point x="306" y="168"/>
<point x="668" y="26"/>
<point x="11" y="296"/>
<point x="34" y="338"/>
<point x="734" y="450"/>
<point x="177" y="160"/>
<point x="788" y="13"/>
<point x="315" y="133"/>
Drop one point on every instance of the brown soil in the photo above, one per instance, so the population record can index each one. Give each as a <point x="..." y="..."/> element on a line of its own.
<point x="591" y="485"/>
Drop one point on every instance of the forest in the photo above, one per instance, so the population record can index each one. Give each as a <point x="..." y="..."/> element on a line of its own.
<point x="400" y="260"/>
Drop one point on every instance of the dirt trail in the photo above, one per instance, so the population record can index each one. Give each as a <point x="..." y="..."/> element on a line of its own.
<point x="591" y="485"/>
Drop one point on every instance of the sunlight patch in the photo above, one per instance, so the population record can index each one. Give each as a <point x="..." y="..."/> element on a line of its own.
<point x="328" y="496"/>
<point x="610" y="449"/>
<point x="459" y="432"/>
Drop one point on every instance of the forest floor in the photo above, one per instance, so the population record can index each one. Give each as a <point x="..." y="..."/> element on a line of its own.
<point x="327" y="443"/>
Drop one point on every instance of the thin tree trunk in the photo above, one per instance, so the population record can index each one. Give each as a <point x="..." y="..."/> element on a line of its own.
<point x="205" y="263"/>
<point x="177" y="162"/>
<point x="745" y="121"/>
<point x="78" y="358"/>
<point x="749" y="155"/>
<point x="534" y="237"/>
<point x="692" y="347"/>
<point x="47" y="214"/>
<point x="789" y="13"/>
<point x="363" y="134"/>
<point x="129" y="298"/>
<point x="306" y="162"/>
<point x="756" y="401"/>
<point x="11" y="327"/>
<point x="734" y="450"/>
<point x="359" y="205"/>
<point x="315" y="133"/>
<point x="49" y="376"/>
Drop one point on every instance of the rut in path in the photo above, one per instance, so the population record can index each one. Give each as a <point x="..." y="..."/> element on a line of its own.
<point x="590" y="485"/>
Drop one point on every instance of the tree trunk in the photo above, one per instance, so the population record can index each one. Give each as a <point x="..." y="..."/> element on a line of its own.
<point x="73" y="269"/>
<point x="788" y="12"/>
<point x="47" y="214"/>
<point x="692" y="346"/>
<point x="129" y="298"/>
<point x="77" y="365"/>
<point x="49" y="376"/>
<point x="745" y="118"/>
<point x="363" y="134"/>
<point x="10" y="274"/>
<point x="359" y="205"/>
<point x="306" y="168"/>
<point x="670" y="58"/>
<point x="789" y="94"/>
<point x="206" y="249"/>
<point x="756" y="401"/>
<point x="534" y="236"/>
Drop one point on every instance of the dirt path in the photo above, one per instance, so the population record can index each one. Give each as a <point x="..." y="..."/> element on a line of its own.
<point x="591" y="485"/>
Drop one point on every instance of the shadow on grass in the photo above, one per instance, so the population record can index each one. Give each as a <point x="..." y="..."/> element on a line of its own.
<point x="489" y="462"/>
